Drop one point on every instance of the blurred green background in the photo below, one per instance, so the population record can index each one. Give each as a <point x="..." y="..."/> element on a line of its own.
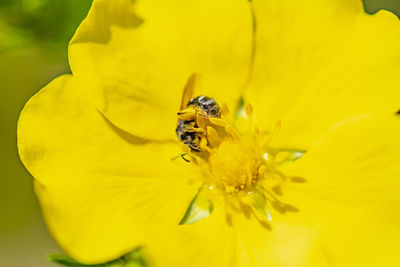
<point x="34" y="35"/>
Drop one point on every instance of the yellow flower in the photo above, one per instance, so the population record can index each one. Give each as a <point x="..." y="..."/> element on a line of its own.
<point x="304" y="173"/>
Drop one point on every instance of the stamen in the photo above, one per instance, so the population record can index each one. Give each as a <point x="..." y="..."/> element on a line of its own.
<point x="275" y="132"/>
<point x="219" y="122"/>
<point x="236" y="163"/>
<point x="186" y="114"/>
<point x="249" y="110"/>
<point x="212" y="135"/>
<point x="225" y="109"/>
<point x="204" y="144"/>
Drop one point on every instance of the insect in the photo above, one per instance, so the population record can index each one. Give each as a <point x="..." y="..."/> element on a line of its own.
<point x="193" y="111"/>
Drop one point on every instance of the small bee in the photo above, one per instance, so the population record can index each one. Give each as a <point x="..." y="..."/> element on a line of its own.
<point x="194" y="109"/>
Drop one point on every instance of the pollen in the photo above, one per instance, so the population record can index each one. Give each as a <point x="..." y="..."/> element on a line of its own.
<point x="230" y="159"/>
<point x="234" y="165"/>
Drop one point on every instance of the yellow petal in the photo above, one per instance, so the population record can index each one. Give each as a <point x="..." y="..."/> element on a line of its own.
<point x="346" y="210"/>
<point x="134" y="58"/>
<point x="350" y="196"/>
<point x="320" y="62"/>
<point x="276" y="244"/>
<point x="208" y="242"/>
<point x="214" y="242"/>
<point x="103" y="191"/>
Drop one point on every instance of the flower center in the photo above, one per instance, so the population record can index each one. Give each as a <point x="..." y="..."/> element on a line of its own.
<point x="234" y="165"/>
<point x="229" y="160"/>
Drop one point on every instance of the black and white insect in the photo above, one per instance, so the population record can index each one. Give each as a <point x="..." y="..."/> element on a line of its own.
<point x="188" y="130"/>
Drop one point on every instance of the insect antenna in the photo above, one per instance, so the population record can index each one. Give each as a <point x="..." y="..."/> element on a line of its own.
<point x="182" y="156"/>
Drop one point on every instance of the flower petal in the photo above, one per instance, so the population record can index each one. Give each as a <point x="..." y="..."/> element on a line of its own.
<point x="134" y="59"/>
<point x="208" y="242"/>
<point x="246" y="242"/>
<point x="351" y="194"/>
<point x="320" y="62"/>
<point x="346" y="209"/>
<point x="103" y="191"/>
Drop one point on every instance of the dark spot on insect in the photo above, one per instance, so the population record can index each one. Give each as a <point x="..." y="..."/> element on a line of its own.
<point x="206" y="104"/>
<point x="190" y="139"/>
<point x="207" y="107"/>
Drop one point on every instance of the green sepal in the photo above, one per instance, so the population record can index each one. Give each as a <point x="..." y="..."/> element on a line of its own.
<point x="295" y="154"/>
<point x="199" y="208"/>
<point x="133" y="259"/>
<point x="66" y="260"/>
<point x="260" y="206"/>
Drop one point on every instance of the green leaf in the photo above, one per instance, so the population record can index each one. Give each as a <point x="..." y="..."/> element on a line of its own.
<point x="68" y="261"/>
<point x="133" y="259"/>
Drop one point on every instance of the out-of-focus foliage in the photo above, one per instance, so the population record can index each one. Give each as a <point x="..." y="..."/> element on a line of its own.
<point x="373" y="6"/>
<point x="51" y="23"/>
<point x="133" y="259"/>
<point x="46" y="23"/>
<point x="34" y="36"/>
